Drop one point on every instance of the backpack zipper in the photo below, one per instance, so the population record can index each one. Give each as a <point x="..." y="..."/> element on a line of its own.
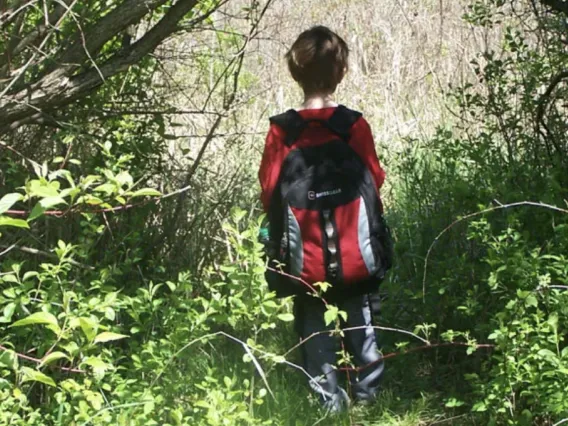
<point x="331" y="245"/>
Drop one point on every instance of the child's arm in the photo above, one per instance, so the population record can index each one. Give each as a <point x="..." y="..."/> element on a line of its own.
<point x="364" y="145"/>
<point x="272" y="158"/>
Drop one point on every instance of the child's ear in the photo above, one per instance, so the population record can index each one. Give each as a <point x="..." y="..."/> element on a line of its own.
<point x="343" y="73"/>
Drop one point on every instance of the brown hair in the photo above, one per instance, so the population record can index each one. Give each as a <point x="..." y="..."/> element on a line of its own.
<point x="318" y="60"/>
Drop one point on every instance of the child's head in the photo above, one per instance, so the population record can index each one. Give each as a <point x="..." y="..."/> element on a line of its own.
<point x="318" y="60"/>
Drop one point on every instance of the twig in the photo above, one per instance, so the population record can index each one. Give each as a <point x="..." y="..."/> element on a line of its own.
<point x="34" y="55"/>
<point x="449" y="419"/>
<point x="31" y="250"/>
<point x="8" y="249"/>
<point x="256" y="364"/>
<point x="222" y="333"/>
<point x="191" y="24"/>
<point x="83" y="40"/>
<point x="418" y="349"/>
<point x="67" y="154"/>
<point x="128" y="405"/>
<point x="362" y="327"/>
<point x="557" y="5"/>
<point x="15" y="151"/>
<point x="545" y="98"/>
<point x="300" y="280"/>
<point x="39" y="361"/>
<point x="479" y="213"/>
<point x="7" y="17"/>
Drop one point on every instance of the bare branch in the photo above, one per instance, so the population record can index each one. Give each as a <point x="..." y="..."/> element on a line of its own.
<point x="39" y="361"/>
<point x="8" y="16"/>
<point x="557" y="5"/>
<point x="479" y="213"/>
<point x="56" y="90"/>
<point x="31" y="250"/>
<point x="127" y="13"/>
<point x="545" y="98"/>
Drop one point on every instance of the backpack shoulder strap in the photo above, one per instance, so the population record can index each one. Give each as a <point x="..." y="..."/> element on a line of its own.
<point x="292" y="123"/>
<point x="342" y="120"/>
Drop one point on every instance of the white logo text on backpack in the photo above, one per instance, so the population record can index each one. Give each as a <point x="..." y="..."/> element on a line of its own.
<point x="312" y="195"/>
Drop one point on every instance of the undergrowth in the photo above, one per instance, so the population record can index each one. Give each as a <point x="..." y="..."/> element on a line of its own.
<point x="113" y="310"/>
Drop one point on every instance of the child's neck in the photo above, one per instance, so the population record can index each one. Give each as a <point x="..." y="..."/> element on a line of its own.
<point x="318" y="101"/>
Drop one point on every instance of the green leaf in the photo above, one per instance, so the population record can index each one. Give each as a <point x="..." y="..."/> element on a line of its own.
<point x="238" y="215"/>
<point x="9" y="200"/>
<point x="453" y="402"/>
<point x="43" y="205"/>
<point x="8" y="359"/>
<point x="29" y="274"/>
<point x="18" y="223"/>
<point x="479" y="407"/>
<point x="323" y="286"/>
<point x="9" y="311"/>
<point x="87" y="181"/>
<point x="89" y="327"/>
<point x="31" y="375"/>
<point x="107" y="336"/>
<point x="41" y="189"/>
<point x="286" y="317"/>
<point x="109" y="188"/>
<point x="330" y="315"/>
<point x="531" y="300"/>
<point x="37" y="169"/>
<point x="54" y="356"/>
<point x="547" y="354"/>
<point x="12" y="278"/>
<point x="124" y="178"/>
<point x="146" y="192"/>
<point x="39" y="318"/>
<point x="148" y="407"/>
<point x="98" y="365"/>
<point x="553" y="321"/>
<point x="278" y="359"/>
<point x="93" y="201"/>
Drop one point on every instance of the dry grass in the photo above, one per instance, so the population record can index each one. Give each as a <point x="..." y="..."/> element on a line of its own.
<point x="404" y="54"/>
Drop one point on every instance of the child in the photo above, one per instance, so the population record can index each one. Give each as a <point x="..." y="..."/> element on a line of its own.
<point x="320" y="179"/>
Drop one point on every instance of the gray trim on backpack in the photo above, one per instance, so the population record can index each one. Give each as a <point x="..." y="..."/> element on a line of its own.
<point x="295" y="245"/>
<point x="364" y="235"/>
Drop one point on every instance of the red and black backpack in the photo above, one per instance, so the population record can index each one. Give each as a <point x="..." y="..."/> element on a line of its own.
<point x="325" y="215"/>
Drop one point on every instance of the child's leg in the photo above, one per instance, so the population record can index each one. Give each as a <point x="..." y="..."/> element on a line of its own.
<point x="319" y="352"/>
<point x="362" y="345"/>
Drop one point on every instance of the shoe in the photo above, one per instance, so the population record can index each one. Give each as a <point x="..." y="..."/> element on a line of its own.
<point x="337" y="403"/>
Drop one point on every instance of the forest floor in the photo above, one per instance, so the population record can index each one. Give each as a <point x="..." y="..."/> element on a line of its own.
<point x="432" y="397"/>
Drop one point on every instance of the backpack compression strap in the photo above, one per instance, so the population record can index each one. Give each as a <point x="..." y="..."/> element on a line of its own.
<point x="339" y="123"/>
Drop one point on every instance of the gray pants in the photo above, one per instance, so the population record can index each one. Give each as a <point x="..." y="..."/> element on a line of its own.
<point x="320" y="351"/>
